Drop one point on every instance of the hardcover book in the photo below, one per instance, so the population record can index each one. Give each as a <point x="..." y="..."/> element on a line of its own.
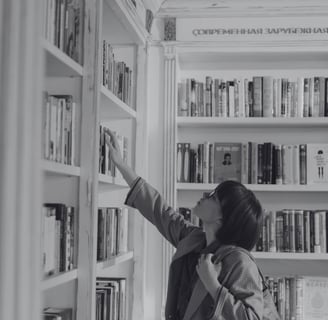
<point x="315" y="302"/>
<point x="227" y="166"/>
<point x="317" y="163"/>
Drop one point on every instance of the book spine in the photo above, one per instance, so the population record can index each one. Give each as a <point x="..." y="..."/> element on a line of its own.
<point x="300" y="97"/>
<point x="299" y="231"/>
<point x="311" y="96"/>
<point x="306" y="224"/>
<point x="317" y="226"/>
<point x="316" y="97"/>
<point x="299" y="298"/>
<point x="206" y="163"/>
<point x="272" y="232"/>
<point x="254" y="162"/>
<point x="260" y="163"/>
<point x="186" y="162"/>
<point x="284" y="97"/>
<point x="244" y="163"/>
<point x="278" y="164"/>
<point x="291" y="225"/>
<point x="257" y="97"/>
<point x="208" y="96"/>
<point x="267" y="96"/>
<point x="302" y="165"/>
<point x="231" y="98"/>
<point x="279" y="231"/>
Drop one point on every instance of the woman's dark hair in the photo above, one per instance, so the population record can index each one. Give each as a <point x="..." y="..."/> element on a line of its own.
<point x="242" y="215"/>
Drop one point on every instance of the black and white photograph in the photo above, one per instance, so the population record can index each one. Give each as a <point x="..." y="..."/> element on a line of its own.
<point x="163" y="160"/>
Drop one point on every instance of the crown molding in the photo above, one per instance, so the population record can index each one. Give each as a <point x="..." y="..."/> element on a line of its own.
<point x="153" y="5"/>
<point x="242" y="8"/>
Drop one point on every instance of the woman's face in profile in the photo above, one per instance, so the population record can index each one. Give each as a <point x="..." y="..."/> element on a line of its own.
<point x="208" y="209"/>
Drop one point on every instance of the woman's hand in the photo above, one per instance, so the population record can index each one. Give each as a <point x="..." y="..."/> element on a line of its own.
<point x="208" y="273"/>
<point x="114" y="148"/>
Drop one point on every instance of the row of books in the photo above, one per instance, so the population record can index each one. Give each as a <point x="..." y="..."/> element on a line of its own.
<point x="59" y="128"/>
<point x="112" y="236"/>
<point x="116" y="75"/>
<point x="261" y="96"/>
<point x="57" y="314"/>
<point x="300" y="297"/>
<point x="106" y="165"/>
<point x="294" y="230"/>
<point x="58" y="238"/>
<point x="63" y="26"/>
<point x="111" y="299"/>
<point x="252" y="163"/>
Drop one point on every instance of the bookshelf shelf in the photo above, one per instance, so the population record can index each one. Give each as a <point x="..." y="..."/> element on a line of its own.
<point x="58" y="64"/>
<point x="111" y="182"/>
<point x="51" y="167"/>
<point x="257" y="187"/>
<point x="130" y="20"/>
<point x="290" y="256"/>
<point x="114" y="261"/>
<point x="198" y="122"/>
<point x="113" y="107"/>
<point x="59" y="279"/>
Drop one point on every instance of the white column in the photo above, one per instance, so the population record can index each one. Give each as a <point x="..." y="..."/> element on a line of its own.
<point x="141" y="167"/>
<point x="170" y="98"/>
<point x="20" y="158"/>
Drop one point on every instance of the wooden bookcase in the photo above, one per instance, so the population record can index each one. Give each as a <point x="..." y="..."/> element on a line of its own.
<point x="81" y="185"/>
<point x="226" y="58"/>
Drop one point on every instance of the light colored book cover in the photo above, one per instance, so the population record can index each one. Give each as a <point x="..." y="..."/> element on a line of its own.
<point x="315" y="302"/>
<point x="317" y="163"/>
<point x="227" y="157"/>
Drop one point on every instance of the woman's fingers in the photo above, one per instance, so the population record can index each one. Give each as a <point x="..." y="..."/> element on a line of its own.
<point x="112" y="139"/>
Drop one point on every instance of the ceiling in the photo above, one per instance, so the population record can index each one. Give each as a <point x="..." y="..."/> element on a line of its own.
<point x="227" y="8"/>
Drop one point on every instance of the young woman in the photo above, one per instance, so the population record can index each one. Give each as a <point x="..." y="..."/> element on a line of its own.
<point x="212" y="275"/>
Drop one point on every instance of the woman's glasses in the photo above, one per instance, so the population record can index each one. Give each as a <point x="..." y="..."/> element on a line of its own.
<point x="209" y="195"/>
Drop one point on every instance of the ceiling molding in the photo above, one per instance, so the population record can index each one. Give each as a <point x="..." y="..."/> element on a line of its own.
<point x="242" y="8"/>
<point x="153" y="5"/>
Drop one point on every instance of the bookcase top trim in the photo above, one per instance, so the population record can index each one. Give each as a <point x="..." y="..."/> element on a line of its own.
<point x="240" y="8"/>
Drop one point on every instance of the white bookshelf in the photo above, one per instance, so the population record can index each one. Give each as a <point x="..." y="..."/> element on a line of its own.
<point x="55" y="168"/>
<point x="59" y="279"/>
<point x="257" y="187"/>
<point x="114" y="108"/>
<point x="126" y="36"/>
<point x="58" y="63"/>
<point x="131" y="21"/>
<point x="111" y="182"/>
<point x="243" y="57"/>
<point x="114" y="261"/>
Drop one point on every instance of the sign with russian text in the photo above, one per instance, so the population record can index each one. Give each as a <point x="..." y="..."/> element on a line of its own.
<point x="252" y="29"/>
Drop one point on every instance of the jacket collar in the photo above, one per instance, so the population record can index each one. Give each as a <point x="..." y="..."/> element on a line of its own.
<point x="199" y="292"/>
<point x="195" y="239"/>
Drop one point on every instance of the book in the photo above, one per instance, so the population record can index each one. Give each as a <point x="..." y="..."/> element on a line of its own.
<point x="317" y="163"/>
<point x="227" y="157"/>
<point x="314" y="302"/>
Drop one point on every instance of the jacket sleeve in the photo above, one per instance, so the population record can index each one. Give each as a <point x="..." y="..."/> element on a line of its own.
<point x="154" y="208"/>
<point x="240" y="297"/>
